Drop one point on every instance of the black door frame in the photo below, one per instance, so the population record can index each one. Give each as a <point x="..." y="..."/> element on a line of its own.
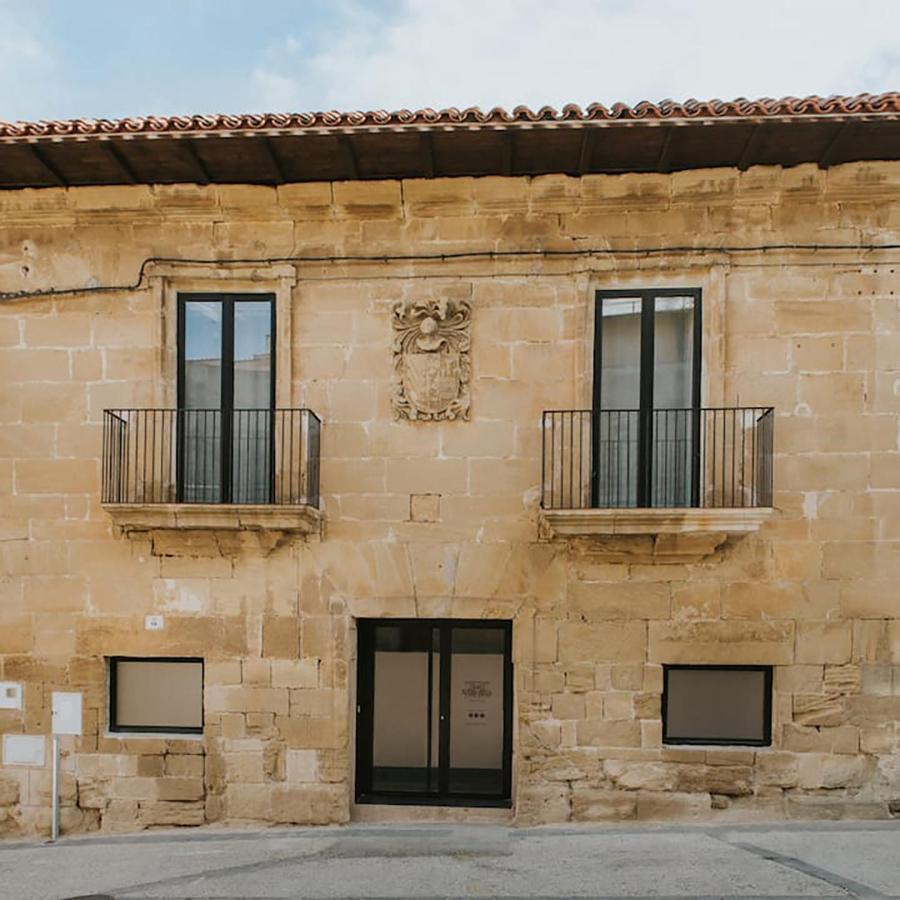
<point x="226" y="389"/>
<point x="365" y="708"/>
<point x="647" y="296"/>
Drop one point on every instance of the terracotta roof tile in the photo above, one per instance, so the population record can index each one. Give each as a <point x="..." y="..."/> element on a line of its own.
<point x="885" y="105"/>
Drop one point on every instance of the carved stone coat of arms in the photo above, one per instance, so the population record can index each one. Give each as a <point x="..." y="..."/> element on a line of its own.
<point x="431" y="359"/>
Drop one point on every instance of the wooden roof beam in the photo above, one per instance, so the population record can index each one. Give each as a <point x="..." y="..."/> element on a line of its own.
<point x="189" y="152"/>
<point x="832" y="150"/>
<point x="41" y="158"/>
<point x="748" y="153"/>
<point x="271" y="154"/>
<point x="349" y="153"/>
<point x="120" y="162"/>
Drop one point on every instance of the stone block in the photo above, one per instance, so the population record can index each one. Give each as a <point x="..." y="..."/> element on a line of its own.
<point x="624" y="733"/>
<point x="777" y="768"/>
<point x="425" y="507"/>
<point x="542" y="803"/>
<point x="9" y="791"/>
<point x="295" y="673"/>
<point x="250" y="801"/>
<point x="610" y="642"/>
<point x="281" y="637"/>
<point x="653" y="805"/>
<point x="568" y="706"/>
<point x="302" y="766"/>
<point x="653" y="776"/>
<point x="842" y="679"/>
<point x="823" y="642"/>
<point x="734" y="641"/>
<point x="591" y="804"/>
<point x="819" y="709"/>
<point x="171" y="813"/>
<point x="600" y="602"/>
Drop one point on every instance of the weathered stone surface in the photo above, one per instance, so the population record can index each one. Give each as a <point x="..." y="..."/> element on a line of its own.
<point x="602" y="805"/>
<point x="441" y="519"/>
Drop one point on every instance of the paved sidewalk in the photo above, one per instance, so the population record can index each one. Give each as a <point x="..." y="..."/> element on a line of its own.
<point x="774" y="862"/>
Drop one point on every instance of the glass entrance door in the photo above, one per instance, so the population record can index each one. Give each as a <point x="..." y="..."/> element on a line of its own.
<point x="226" y="396"/>
<point x="434" y="714"/>
<point x="645" y="437"/>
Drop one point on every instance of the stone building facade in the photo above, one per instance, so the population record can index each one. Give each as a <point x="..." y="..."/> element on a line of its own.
<point x="432" y="516"/>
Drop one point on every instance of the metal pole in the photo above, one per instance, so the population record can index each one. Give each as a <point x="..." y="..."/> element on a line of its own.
<point x="54" y="822"/>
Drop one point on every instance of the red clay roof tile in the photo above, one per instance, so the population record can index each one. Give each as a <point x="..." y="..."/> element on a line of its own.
<point x="885" y="105"/>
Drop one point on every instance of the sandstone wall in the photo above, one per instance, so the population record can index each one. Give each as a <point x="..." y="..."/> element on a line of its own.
<point x="814" y="593"/>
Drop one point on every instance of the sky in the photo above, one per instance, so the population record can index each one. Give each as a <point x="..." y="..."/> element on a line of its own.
<point x="116" y="58"/>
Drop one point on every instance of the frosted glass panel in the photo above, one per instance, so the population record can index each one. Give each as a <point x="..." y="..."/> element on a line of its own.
<point x="201" y="430"/>
<point x="673" y="347"/>
<point x="405" y="665"/>
<point x="620" y="375"/>
<point x="476" y="711"/>
<point x="252" y="430"/>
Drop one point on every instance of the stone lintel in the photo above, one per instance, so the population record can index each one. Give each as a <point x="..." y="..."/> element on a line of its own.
<point x="293" y="518"/>
<point x="653" y="535"/>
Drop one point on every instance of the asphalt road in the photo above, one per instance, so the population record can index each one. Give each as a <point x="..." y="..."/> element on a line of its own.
<point x="834" y="860"/>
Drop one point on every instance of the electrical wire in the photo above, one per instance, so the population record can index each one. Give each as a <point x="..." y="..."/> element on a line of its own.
<point x="729" y="250"/>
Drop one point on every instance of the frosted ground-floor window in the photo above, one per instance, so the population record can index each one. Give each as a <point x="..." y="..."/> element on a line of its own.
<point x="161" y="694"/>
<point x="717" y="705"/>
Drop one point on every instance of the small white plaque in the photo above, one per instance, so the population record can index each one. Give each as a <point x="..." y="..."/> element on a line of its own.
<point x="10" y="695"/>
<point x="66" y="713"/>
<point x="23" y="749"/>
<point x="154" y="623"/>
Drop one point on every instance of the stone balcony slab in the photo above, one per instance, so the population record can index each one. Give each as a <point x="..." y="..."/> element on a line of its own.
<point x="285" y="518"/>
<point x="652" y="535"/>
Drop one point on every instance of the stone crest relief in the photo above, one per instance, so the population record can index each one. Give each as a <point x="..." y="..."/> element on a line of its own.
<point x="432" y="368"/>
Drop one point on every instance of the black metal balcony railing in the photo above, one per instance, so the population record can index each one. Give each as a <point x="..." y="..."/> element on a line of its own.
<point x="260" y="456"/>
<point x="660" y="458"/>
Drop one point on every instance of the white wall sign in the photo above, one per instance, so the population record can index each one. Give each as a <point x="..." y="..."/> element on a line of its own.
<point x="10" y="695"/>
<point x="23" y="749"/>
<point x="154" y="623"/>
<point x="66" y="713"/>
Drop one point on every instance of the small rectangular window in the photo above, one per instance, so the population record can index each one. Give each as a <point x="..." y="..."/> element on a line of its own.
<point x="156" y="695"/>
<point x="717" y="705"/>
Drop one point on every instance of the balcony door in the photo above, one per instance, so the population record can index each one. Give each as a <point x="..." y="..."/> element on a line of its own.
<point x="646" y="399"/>
<point x="434" y="714"/>
<point x="226" y="398"/>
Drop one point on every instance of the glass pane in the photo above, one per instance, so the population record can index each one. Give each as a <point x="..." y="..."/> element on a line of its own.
<point x="620" y="389"/>
<point x="673" y="424"/>
<point x="252" y="355"/>
<point x="620" y="353"/>
<point x="673" y="348"/>
<point x="252" y="428"/>
<point x="476" y="711"/>
<point x="404" y="748"/>
<point x="715" y="704"/>
<point x="159" y="694"/>
<point x="201" y="447"/>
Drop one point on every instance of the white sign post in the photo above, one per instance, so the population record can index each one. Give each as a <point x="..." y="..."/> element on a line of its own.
<point x="66" y="719"/>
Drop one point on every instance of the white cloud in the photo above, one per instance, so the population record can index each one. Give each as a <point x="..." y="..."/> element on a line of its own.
<point x="506" y="52"/>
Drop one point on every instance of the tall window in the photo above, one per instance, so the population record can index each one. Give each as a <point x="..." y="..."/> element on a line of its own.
<point x="646" y="393"/>
<point x="226" y="395"/>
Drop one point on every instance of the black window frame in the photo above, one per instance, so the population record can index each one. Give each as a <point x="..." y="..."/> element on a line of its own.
<point x="226" y="388"/>
<point x="647" y="296"/>
<point x="765" y="741"/>
<point x="114" y="728"/>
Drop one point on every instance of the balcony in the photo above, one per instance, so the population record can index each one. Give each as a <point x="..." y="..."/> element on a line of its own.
<point x="209" y="469"/>
<point x="661" y="485"/>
